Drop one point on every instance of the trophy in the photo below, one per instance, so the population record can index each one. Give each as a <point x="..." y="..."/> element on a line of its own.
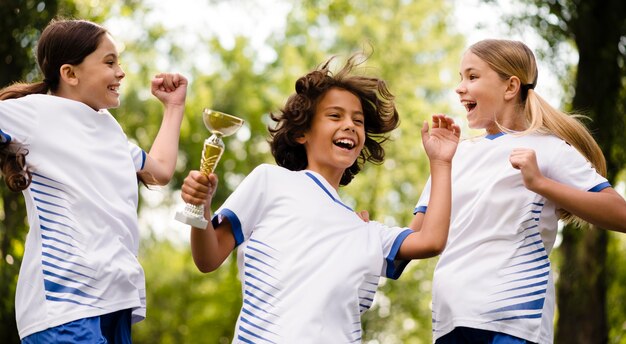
<point x="219" y="124"/>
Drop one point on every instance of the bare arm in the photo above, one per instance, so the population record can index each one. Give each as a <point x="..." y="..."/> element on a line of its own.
<point x="606" y="209"/>
<point x="211" y="246"/>
<point x="171" y="90"/>
<point x="431" y="229"/>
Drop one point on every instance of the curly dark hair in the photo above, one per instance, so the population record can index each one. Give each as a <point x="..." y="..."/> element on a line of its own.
<point x="63" y="41"/>
<point x="296" y="116"/>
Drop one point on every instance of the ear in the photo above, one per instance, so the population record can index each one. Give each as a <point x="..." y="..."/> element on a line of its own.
<point x="301" y="139"/>
<point x="68" y="74"/>
<point x="513" y="87"/>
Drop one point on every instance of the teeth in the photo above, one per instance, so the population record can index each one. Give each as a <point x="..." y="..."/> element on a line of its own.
<point x="346" y="142"/>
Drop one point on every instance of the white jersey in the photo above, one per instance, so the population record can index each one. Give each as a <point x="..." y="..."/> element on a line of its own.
<point x="309" y="265"/>
<point x="494" y="273"/>
<point x="80" y="258"/>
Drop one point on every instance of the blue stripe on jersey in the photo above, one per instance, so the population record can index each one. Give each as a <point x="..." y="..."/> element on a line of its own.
<point x="524" y="293"/>
<point x="395" y="267"/>
<point x="52" y="274"/>
<point x="493" y="136"/>
<point x="261" y="289"/>
<point x="246" y="331"/>
<point x="61" y="299"/>
<point x="143" y="159"/>
<point x="59" y="288"/>
<point x="420" y="209"/>
<point x="600" y="187"/>
<point x="326" y="190"/>
<point x="4" y="137"/>
<point x="235" y="224"/>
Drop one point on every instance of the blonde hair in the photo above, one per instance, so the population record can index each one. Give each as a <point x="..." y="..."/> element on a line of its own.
<point x="513" y="58"/>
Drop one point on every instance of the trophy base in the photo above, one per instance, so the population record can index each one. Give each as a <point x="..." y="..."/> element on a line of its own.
<point x="192" y="220"/>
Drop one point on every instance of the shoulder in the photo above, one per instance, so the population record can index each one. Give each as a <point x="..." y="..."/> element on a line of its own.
<point x="269" y="171"/>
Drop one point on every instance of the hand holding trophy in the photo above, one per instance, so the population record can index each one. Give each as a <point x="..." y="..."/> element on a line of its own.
<point x="219" y="124"/>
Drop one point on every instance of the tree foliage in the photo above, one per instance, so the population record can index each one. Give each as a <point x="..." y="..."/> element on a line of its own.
<point x="410" y="44"/>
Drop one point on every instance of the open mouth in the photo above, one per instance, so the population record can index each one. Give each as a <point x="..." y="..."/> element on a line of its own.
<point x="344" y="143"/>
<point x="469" y="105"/>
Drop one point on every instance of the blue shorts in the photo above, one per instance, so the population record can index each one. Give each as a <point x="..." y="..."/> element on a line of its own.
<point x="467" y="335"/>
<point x="112" y="328"/>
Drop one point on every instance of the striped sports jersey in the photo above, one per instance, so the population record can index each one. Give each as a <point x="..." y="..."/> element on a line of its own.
<point x="80" y="258"/>
<point x="494" y="273"/>
<point x="309" y="265"/>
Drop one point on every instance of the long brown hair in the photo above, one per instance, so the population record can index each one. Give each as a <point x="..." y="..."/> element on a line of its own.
<point x="296" y="116"/>
<point x="513" y="58"/>
<point x="61" y="42"/>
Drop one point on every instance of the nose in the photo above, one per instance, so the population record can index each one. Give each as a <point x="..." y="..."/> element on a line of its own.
<point x="120" y="73"/>
<point x="349" y="125"/>
<point x="460" y="88"/>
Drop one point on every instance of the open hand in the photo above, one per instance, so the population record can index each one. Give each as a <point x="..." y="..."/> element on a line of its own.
<point x="441" y="141"/>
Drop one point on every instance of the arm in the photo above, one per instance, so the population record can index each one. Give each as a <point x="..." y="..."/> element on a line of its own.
<point x="171" y="90"/>
<point x="211" y="246"/>
<point x="606" y="209"/>
<point x="431" y="229"/>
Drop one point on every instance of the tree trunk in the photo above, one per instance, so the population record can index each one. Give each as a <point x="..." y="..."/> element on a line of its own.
<point x="582" y="281"/>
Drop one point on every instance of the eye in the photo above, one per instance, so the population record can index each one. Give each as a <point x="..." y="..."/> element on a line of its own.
<point x="472" y="77"/>
<point x="359" y="121"/>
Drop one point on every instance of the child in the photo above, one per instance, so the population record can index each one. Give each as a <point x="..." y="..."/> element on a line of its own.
<point x="535" y="164"/>
<point x="309" y="264"/>
<point x="80" y="279"/>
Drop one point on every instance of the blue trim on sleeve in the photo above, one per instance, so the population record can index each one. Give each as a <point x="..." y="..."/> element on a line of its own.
<point x="395" y="268"/>
<point x="4" y="137"/>
<point x="600" y="187"/>
<point x="420" y="209"/>
<point x="143" y="159"/>
<point x="235" y="224"/>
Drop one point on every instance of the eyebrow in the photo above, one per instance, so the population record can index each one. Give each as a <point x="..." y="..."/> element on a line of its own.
<point x="468" y="70"/>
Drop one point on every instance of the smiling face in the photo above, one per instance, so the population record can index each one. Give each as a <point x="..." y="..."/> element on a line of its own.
<point x="97" y="78"/>
<point x="337" y="134"/>
<point x="483" y="94"/>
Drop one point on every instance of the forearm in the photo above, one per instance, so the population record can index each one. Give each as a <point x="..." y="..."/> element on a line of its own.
<point x="436" y="221"/>
<point x="605" y="209"/>
<point x="204" y="248"/>
<point x="164" y="150"/>
<point x="431" y="229"/>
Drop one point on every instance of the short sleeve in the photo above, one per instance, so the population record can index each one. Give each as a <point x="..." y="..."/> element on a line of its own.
<point x="571" y="168"/>
<point x="138" y="155"/>
<point x="422" y="203"/>
<point x="391" y="239"/>
<point x="245" y="207"/>
<point x="18" y="120"/>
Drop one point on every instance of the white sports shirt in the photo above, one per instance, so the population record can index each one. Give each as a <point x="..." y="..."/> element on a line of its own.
<point x="494" y="273"/>
<point x="309" y="265"/>
<point x="80" y="258"/>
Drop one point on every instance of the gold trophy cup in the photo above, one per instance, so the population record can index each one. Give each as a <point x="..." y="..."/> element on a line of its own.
<point x="219" y="124"/>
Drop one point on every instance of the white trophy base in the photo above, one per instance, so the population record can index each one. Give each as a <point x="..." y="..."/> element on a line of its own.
<point x="192" y="220"/>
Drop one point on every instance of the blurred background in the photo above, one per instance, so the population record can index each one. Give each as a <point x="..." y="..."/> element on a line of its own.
<point x="243" y="57"/>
